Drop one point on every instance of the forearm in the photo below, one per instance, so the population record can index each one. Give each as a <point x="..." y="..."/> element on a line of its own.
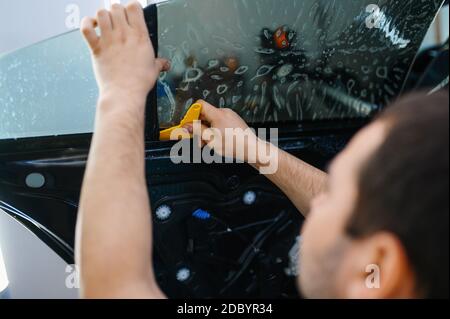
<point x="114" y="231"/>
<point x="300" y="181"/>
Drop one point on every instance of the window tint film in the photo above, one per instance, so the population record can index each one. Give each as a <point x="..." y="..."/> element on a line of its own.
<point x="288" y="60"/>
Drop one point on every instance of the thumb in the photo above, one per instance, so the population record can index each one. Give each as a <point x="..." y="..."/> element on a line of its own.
<point x="162" y="65"/>
<point x="209" y="113"/>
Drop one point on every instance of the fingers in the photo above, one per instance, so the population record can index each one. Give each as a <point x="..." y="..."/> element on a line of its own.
<point x="197" y="132"/>
<point x="209" y="112"/>
<point x="88" y="31"/>
<point x="119" y="17"/>
<point x="104" y="22"/>
<point x="190" y="128"/>
<point x="135" y="15"/>
<point x="162" y="65"/>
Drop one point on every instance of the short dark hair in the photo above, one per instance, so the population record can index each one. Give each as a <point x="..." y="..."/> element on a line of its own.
<point x="404" y="188"/>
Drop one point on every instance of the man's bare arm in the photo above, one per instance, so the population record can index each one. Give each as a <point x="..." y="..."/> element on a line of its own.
<point x="297" y="179"/>
<point x="114" y="235"/>
<point x="300" y="181"/>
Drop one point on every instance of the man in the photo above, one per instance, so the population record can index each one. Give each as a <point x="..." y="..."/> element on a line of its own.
<point x="383" y="207"/>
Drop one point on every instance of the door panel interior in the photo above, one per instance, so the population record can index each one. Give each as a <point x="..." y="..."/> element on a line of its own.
<point x="241" y="244"/>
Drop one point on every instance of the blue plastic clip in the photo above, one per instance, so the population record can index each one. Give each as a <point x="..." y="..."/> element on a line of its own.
<point x="201" y="214"/>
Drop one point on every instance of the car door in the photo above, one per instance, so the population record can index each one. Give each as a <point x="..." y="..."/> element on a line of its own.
<point x="220" y="230"/>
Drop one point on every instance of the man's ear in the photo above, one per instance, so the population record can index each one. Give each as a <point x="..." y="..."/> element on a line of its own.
<point x="379" y="268"/>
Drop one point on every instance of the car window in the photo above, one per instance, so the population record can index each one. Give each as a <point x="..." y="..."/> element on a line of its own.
<point x="47" y="89"/>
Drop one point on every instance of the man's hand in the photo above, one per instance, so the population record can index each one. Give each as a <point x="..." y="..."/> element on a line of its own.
<point x="123" y="55"/>
<point x="217" y="124"/>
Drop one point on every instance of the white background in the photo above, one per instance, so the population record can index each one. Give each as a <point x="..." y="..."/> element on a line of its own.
<point x="23" y="22"/>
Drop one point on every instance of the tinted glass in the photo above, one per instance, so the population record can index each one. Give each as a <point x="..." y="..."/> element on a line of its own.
<point x="288" y="60"/>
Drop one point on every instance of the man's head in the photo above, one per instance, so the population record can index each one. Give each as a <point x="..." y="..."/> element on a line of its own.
<point x="381" y="229"/>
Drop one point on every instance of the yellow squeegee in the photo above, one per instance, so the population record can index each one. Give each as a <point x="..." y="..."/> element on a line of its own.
<point x="192" y="115"/>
